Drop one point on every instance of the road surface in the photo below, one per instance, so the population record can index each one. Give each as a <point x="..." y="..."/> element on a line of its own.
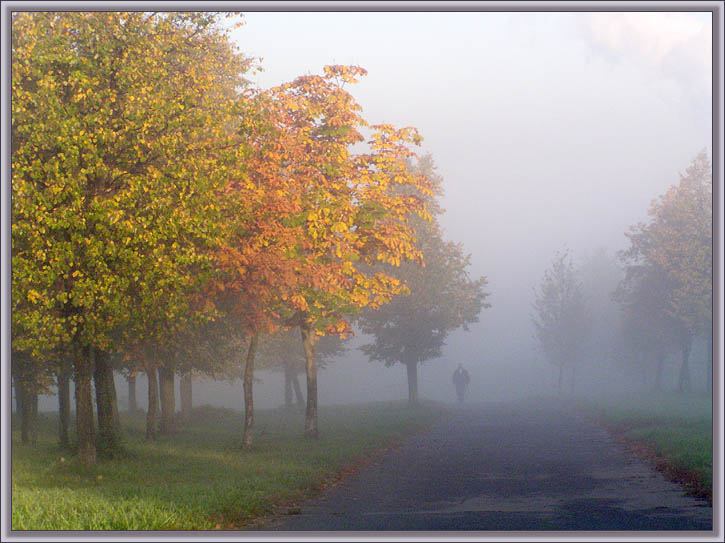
<point x="528" y="466"/>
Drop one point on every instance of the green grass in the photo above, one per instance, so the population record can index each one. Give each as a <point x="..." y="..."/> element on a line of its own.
<point x="200" y="478"/>
<point x="677" y="427"/>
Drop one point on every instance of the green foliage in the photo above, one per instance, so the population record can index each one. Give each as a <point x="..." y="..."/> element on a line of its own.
<point x="118" y="125"/>
<point x="441" y="296"/>
<point x="199" y="479"/>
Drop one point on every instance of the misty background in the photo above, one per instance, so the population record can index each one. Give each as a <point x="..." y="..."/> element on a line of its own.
<point x="551" y="131"/>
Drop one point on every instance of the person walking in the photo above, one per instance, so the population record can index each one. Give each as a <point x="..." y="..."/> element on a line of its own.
<point x="460" y="381"/>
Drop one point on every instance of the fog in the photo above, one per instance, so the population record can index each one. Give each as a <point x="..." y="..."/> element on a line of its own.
<point x="551" y="131"/>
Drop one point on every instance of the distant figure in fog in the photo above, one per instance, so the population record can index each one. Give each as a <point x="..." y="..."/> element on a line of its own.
<point x="460" y="381"/>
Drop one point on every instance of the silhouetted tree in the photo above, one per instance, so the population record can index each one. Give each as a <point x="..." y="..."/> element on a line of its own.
<point x="560" y="318"/>
<point x="675" y="251"/>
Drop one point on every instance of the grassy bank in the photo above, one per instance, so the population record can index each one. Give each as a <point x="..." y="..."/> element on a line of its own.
<point x="199" y="478"/>
<point x="674" y="430"/>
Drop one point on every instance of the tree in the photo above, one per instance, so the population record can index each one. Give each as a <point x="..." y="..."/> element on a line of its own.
<point x="120" y="127"/>
<point x="319" y="211"/>
<point x="560" y="319"/>
<point x="647" y="327"/>
<point x="677" y="242"/>
<point x="256" y="268"/>
<point x="30" y="378"/>
<point x="441" y="297"/>
<point x="600" y="274"/>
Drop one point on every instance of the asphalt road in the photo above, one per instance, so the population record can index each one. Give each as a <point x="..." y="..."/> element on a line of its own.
<point x="527" y="466"/>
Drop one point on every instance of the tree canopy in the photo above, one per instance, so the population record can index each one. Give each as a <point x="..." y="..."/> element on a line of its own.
<point x="440" y="296"/>
<point x="669" y="265"/>
<point x="560" y="319"/>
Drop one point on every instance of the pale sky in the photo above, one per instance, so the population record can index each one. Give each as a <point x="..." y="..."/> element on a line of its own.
<point x="550" y="129"/>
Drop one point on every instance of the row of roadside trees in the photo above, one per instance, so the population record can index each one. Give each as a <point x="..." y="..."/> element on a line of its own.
<point x="663" y="298"/>
<point x="166" y="215"/>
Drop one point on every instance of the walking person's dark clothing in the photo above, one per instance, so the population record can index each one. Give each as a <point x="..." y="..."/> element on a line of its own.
<point x="460" y="381"/>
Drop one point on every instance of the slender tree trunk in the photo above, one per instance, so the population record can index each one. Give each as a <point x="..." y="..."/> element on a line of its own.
<point x="248" y="396"/>
<point x="185" y="392"/>
<point x="308" y="342"/>
<point x="85" y="426"/>
<point x="24" y="411"/>
<point x="152" y="411"/>
<point x="115" y="417"/>
<point x="683" y="382"/>
<point x="64" y="406"/>
<point x="287" y="387"/>
<point x="708" y="346"/>
<point x="299" y="397"/>
<point x="18" y="401"/>
<point x="33" y="416"/>
<point x="168" y="401"/>
<point x="132" y="404"/>
<point x="108" y="424"/>
<point x="412" y="367"/>
<point x="103" y="405"/>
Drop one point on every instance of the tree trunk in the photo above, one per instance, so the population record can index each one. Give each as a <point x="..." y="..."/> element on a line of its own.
<point x="152" y="411"/>
<point x="24" y="410"/>
<point x="108" y="430"/>
<point x="308" y="342"/>
<point x="412" y="367"/>
<point x="299" y="397"/>
<point x="64" y="406"/>
<point x="168" y="401"/>
<point x="132" y="404"/>
<point x="185" y="392"/>
<point x="248" y="396"/>
<point x="709" y="346"/>
<point x="115" y="417"/>
<point x="683" y="382"/>
<point x="18" y="399"/>
<point x="287" y="387"/>
<point x="85" y="427"/>
<point x="33" y="416"/>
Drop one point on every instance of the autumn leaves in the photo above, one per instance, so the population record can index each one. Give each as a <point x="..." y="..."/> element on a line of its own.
<point x="153" y="192"/>
<point x="667" y="291"/>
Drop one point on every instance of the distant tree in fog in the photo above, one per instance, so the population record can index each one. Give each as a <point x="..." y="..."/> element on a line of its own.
<point x="648" y="331"/>
<point x="675" y="247"/>
<point x="600" y="274"/>
<point x="442" y="297"/>
<point x="560" y="318"/>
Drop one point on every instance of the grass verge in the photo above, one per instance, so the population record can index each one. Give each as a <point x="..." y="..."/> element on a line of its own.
<point x="200" y="479"/>
<point x="672" y="430"/>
